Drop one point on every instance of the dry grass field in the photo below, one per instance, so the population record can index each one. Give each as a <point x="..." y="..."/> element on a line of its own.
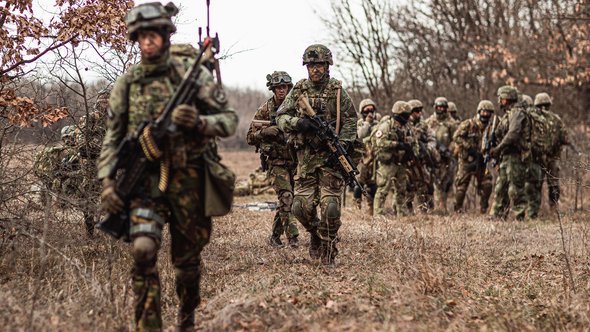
<point x="458" y="272"/>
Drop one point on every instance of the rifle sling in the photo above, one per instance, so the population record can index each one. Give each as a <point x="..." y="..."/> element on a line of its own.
<point x="338" y="112"/>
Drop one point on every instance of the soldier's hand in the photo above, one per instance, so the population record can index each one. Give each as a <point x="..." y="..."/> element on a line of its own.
<point x="270" y="131"/>
<point x="109" y="200"/>
<point x="306" y="125"/>
<point x="185" y="115"/>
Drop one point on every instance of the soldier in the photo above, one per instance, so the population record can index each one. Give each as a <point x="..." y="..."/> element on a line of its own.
<point x="421" y="175"/>
<point x="453" y="112"/>
<point x="468" y="140"/>
<point x="140" y="95"/>
<point x="443" y="127"/>
<point x="559" y="137"/>
<point x="317" y="182"/>
<point x="54" y="165"/>
<point x="369" y="118"/>
<point x="527" y="101"/>
<point x="277" y="157"/>
<point x="514" y="150"/>
<point x="89" y="136"/>
<point x="395" y="148"/>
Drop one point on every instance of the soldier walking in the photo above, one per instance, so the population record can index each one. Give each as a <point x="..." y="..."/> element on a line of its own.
<point x="514" y="150"/>
<point x="395" y="148"/>
<point x="277" y="157"/>
<point x="443" y="127"/>
<point x="316" y="181"/>
<point x="468" y="141"/>
<point x="140" y="95"/>
<point x="369" y="118"/>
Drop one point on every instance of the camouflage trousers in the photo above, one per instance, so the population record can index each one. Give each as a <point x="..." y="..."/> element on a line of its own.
<point x="533" y="188"/>
<point x="282" y="182"/>
<point x="366" y="180"/>
<point x="182" y="208"/>
<point x="421" y="187"/>
<point x="465" y="172"/>
<point x="391" y="176"/>
<point x="443" y="185"/>
<point x="324" y="187"/>
<point x="510" y="187"/>
<point x="551" y="172"/>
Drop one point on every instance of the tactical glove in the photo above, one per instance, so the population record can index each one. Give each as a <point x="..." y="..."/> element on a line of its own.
<point x="109" y="200"/>
<point x="473" y="152"/>
<point x="404" y="146"/>
<point x="270" y="131"/>
<point x="495" y="152"/>
<point x="306" y="126"/>
<point x="185" y="115"/>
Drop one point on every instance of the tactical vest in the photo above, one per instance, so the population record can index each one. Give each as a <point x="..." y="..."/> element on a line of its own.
<point x="472" y="136"/>
<point x="278" y="151"/>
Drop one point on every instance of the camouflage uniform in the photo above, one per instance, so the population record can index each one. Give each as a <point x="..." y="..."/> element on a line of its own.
<point x="443" y="127"/>
<point x="421" y="175"/>
<point x="513" y="134"/>
<point x="558" y="137"/>
<point x="365" y="125"/>
<point x="394" y="145"/>
<point x="281" y="165"/>
<point x="89" y="136"/>
<point x="467" y="141"/>
<point x="139" y="95"/>
<point x="316" y="182"/>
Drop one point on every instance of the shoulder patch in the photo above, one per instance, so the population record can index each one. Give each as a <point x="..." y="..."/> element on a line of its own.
<point x="379" y="133"/>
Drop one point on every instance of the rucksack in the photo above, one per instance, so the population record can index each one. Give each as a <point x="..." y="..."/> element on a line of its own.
<point x="541" y="140"/>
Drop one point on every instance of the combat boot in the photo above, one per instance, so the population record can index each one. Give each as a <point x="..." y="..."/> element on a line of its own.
<point x="314" y="245"/>
<point x="358" y="203"/>
<point x="186" y="321"/>
<point x="328" y="252"/>
<point x="293" y="242"/>
<point x="275" y="241"/>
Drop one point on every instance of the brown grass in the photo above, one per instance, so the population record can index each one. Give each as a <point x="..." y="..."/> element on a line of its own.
<point x="416" y="273"/>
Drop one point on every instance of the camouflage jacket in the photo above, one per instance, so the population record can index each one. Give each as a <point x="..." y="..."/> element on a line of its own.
<point x="92" y="127"/>
<point x="276" y="148"/>
<point x="364" y="128"/>
<point x="55" y="164"/>
<point x="425" y="137"/>
<point x="141" y="94"/>
<point x="559" y="133"/>
<point x="322" y="98"/>
<point x="468" y="138"/>
<point x="390" y="135"/>
<point x="443" y="128"/>
<point x="513" y="133"/>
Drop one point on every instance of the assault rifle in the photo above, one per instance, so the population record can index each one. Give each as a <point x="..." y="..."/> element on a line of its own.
<point x="489" y="141"/>
<point x="138" y="151"/>
<point x="339" y="157"/>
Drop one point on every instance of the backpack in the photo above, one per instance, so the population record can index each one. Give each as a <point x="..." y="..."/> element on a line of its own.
<point x="541" y="138"/>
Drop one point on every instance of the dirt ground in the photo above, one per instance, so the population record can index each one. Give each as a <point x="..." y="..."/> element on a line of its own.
<point x="424" y="272"/>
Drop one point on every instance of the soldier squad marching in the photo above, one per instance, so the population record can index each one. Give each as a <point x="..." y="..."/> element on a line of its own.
<point x="418" y="163"/>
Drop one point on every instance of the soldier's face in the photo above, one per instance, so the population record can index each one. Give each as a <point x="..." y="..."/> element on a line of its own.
<point x="281" y="91"/>
<point x="150" y="43"/>
<point x="316" y="71"/>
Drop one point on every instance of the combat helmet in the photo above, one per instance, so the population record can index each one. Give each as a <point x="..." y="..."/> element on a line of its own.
<point x="441" y="101"/>
<point x="415" y="104"/>
<point x="151" y="15"/>
<point x="317" y="53"/>
<point x="543" y="99"/>
<point x="485" y="105"/>
<point x="277" y="78"/>
<point x="527" y="100"/>
<point x="508" y="92"/>
<point x="67" y="131"/>
<point x="367" y="102"/>
<point x="400" y="107"/>
<point x="452" y="107"/>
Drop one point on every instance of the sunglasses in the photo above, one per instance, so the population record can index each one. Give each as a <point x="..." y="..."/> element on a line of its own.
<point x="316" y="65"/>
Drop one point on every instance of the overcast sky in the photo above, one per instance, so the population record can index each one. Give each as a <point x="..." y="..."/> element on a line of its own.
<point x="263" y="35"/>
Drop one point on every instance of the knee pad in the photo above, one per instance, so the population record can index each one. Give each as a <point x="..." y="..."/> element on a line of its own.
<point x="332" y="208"/>
<point x="286" y="198"/>
<point x="144" y="250"/>
<point x="297" y="208"/>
